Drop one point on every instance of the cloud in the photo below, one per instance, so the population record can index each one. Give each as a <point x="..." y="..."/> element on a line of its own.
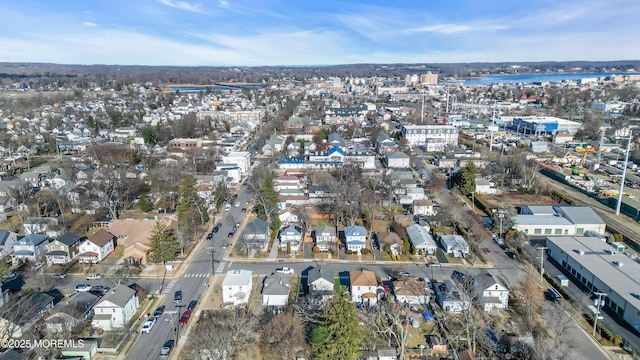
<point x="89" y="23"/>
<point x="183" y="5"/>
<point x="457" y="28"/>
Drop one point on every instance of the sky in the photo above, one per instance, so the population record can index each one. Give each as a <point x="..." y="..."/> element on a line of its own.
<point x="312" y="32"/>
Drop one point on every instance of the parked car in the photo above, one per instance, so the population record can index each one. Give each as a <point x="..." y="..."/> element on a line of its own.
<point x="159" y="311"/>
<point x="231" y="234"/>
<point x="192" y="305"/>
<point x="434" y="264"/>
<point x="486" y="251"/>
<point x="100" y="288"/>
<point x="185" y="317"/>
<point x="209" y="236"/>
<point x="244" y="210"/>
<point x="83" y="287"/>
<point x="216" y="228"/>
<point x="285" y="270"/>
<point x="147" y="326"/>
<point x="238" y="204"/>
<point x="10" y="276"/>
<point x="59" y="276"/>
<point x="94" y="277"/>
<point x="177" y="296"/>
<point x="167" y="347"/>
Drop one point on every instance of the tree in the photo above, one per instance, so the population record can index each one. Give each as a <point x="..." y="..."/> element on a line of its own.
<point x="529" y="298"/>
<point x="223" y="335"/>
<point x="387" y="323"/>
<point x="163" y="244"/>
<point x="504" y="217"/>
<point x="220" y="194"/>
<point x="466" y="179"/>
<point x="266" y="199"/>
<point x="144" y="204"/>
<point x="190" y="206"/>
<point x="150" y="136"/>
<point x="283" y="337"/>
<point x="339" y="329"/>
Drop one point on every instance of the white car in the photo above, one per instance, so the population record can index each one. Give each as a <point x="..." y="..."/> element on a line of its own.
<point x="94" y="277"/>
<point x="285" y="270"/>
<point x="83" y="287"/>
<point x="147" y="326"/>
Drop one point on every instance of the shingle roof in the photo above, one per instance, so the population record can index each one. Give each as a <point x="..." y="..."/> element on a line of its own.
<point x="101" y="237"/>
<point x="119" y="296"/>
<point x="69" y="239"/>
<point x="319" y="272"/>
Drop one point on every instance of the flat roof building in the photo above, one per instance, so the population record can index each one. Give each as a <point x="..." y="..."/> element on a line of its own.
<point x="601" y="268"/>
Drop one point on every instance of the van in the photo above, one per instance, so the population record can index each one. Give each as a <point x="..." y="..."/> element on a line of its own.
<point x="595" y="312"/>
<point x="562" y="280"/>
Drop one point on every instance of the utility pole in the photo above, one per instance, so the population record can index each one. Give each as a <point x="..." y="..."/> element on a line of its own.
<point x="542" y="249"/>
<point x="213" y="261"/>
<point x="595" y="316"/>
<point x="624" y="173"/>
<point x="500" y="216"/>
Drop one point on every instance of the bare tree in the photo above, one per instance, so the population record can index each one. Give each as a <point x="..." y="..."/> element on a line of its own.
<point x="529" y="298"/>
<point x="222" y="335"/>
<point x="283" y="337"/>
<point x="559" y="320"/>
<point x="389" y="323"/>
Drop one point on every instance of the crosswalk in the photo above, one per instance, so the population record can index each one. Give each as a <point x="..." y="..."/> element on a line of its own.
<point x="221" y="266"/>
<point x="169" y="286"/>
<point x="197" y="275"/>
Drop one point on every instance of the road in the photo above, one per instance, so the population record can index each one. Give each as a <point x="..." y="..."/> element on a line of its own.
<point x="192" y="284"/>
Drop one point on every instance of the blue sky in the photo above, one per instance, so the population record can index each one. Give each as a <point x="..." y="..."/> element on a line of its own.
<point x="301" y="32"/>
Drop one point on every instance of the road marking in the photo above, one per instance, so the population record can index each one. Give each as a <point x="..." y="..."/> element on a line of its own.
<point x="171" y="284"/>
<point x="221" y="266"/>
<point x="194" y="275"/>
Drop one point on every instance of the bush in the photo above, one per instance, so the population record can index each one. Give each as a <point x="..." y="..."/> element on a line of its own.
<point x="316" y="250"/>
<point x="617" y="340"/>
<point x="348" y="252"/>
<point x="365" y="251"/>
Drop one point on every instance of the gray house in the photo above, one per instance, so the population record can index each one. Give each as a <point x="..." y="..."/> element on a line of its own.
<point x="421" y="240"/>
<point x="291" y="235"/>
<point x="69" y="314"/>
<point x="454" y="245"/>
<point x="325" y="237"/>
<point x="451" y="297"/>
<point x="256" y="236"/>
<point x="320" y="284"/>
<point x="7" y="239"/>
<point x="30" y="248"/>
<point x="275" y="290"/>
<point x="62" y="250"/>
<point x="397" y="160"/>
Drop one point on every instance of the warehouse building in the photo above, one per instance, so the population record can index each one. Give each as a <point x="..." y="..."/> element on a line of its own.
<point x="601" y="268"/>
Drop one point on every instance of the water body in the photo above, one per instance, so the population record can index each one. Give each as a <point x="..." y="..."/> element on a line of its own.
<point x="529" y="78"/>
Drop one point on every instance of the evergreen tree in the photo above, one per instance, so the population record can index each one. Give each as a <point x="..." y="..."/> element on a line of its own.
<point x="190" y="206"/>
<point x="266" y="199"/>
<point x="220" y="194"/>
<point x="342" y="334"/>
<point x="164" y="246"/>
<point x="144" y="204"/>
<point x="467" y="179"/>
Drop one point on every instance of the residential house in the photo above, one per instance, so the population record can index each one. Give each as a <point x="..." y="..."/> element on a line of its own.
<point x="390" y="240"/>
<point x="239" y="159"/>
<point x="384" y="143"/>
<point x="136" y="234"/>
<point x="335" y="139"/>
<point x="325" y="237"/>
<point x="62" y="250"/>
<point x="454" y="245"/>
<point x="275" y="290"/>
<point x="288" y="217"/>
<point x="491" y="293"/>
<point x="97" y="247"/>
<point x="421" y="239"/>
<point x="355" y="238"/>
<point x="485" y="186"/>
<point x="320" y="284"/>
<point x="397" y="160"/>
<point x="115" y="309"/>
<point x="363" y="285"/>
<point x="7" y="239"/>
<point x="451" y="297"/>
<point x="423" y="208"/>
<point x="65" y="316"/>
<point x="23" y="313"/>
<point x="39" y="225"/>
<point x="236" y="287"/>
<point x="256" y="235"/>
<point x="291" y="235"/>
<point x="30" y="248"/>
<point x="411" y="291"/>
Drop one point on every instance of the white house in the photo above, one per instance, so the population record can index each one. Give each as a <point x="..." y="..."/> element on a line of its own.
<point x="363" y="284"/>
<point x="241" y="159"/>
<point x="115" y="309"/>
<point x="411" y="291"/>
<point x="290" y="235"/>
<point x="454" y="245"/>
<point x="355" y="238"/>
<point x="484" y="186"/>
<point x="236" y="287"/>
<point x="30" y="248"/>
<point x="320" y="283"/>
<point x="397" y="159"/>
<point x="288" y="217"/>
<point x="423" y="207"/>
<point x="97" y="247"/>
<point x="421" y="240"/>
<point x="433" y="137"/>
<point x="491" y="294"/>
<point x="275" y="290"/>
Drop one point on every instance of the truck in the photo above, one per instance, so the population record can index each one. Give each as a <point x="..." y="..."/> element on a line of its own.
<point x="562" y="280"/>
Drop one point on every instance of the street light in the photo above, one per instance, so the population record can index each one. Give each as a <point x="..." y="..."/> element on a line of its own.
<point x="595" y="316"/>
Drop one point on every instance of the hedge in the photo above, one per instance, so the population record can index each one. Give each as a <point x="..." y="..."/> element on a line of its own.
<point x="560" y="196"/>
<point x="482" y="206"/>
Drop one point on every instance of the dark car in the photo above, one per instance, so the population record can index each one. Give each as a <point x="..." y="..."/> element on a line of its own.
<point x="185" y="317"/>
<point x="231" y="234"/>
<point x="216" y="228"/>
<point x="209" y="236"/>
<point x="166" y="348"/>
<point x="159" y="311"/>
<point x="244" y="210"/>
<point x="100" y="288"/>
<point x="192" y="305"/>
<point x="177" y="296"/>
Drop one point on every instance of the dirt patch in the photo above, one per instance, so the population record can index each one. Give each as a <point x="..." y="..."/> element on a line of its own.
<point x="515" y="199"/>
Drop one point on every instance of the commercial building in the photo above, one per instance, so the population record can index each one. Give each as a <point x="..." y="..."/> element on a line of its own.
<point x="558" y="220"/>
<point x="433" y="137"/>
<point x="544" y="125"/>
<point x="599" y="267"/>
